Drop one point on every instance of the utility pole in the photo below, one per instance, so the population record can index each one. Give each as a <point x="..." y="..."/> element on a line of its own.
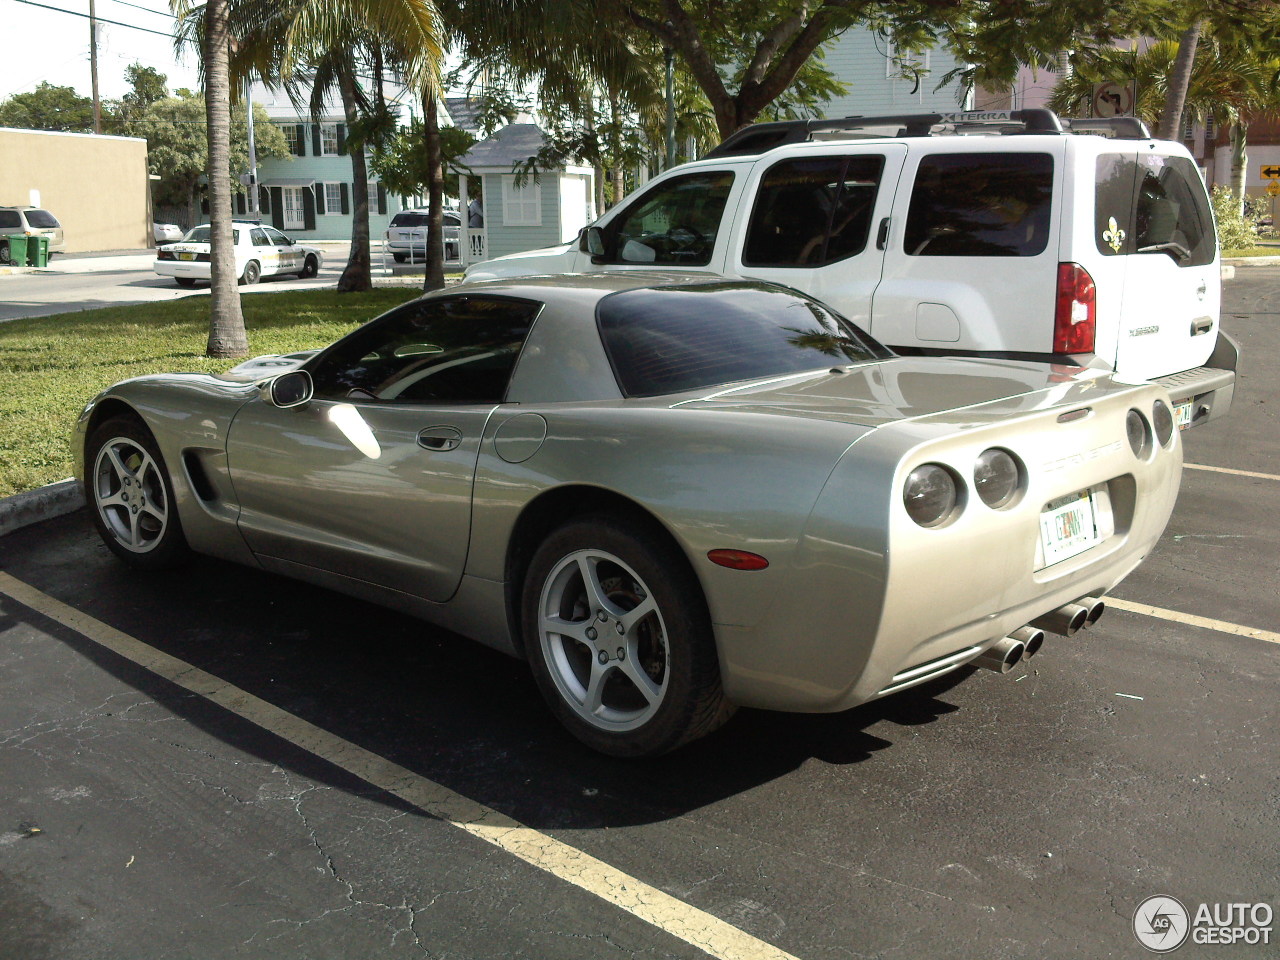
<point x="253" y="154"/>
<point x="93" y="66"/>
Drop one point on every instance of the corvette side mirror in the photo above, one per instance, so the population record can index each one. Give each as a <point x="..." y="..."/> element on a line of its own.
<point x="291" y="389"/>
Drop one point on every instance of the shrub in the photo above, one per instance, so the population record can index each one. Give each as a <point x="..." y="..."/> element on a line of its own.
<point x="1235" y="230"/>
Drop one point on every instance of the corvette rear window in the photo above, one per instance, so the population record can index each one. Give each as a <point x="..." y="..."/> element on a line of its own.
<point x="673" y="339"/>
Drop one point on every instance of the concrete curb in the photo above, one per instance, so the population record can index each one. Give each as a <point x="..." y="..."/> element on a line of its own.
<point x="1251" y="261"/>
<point x="24" y="509"/>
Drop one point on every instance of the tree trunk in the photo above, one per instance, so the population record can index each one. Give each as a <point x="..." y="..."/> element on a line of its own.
<point x="193" y="204"/>
<point x="227" y="336"/>
<point x="615" y="145"/>
<point x="356" y="275"/>
<point x="1239" y="160"/>
<point x="1179" y="81"/>
<point x="434" y="277"/>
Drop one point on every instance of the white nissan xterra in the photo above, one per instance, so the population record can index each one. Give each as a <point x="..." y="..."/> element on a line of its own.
<point x="1015" y="235"/>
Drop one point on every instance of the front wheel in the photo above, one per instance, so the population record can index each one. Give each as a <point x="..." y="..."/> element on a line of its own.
<point x="130" y="495"/>
<point x="251" y="273"/>
<point x="400" y="257"/>
<point x="619" y="638"/>
<point x="4" y="252"/>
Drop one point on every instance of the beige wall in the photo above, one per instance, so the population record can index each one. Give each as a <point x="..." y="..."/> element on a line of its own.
<point x="95" y="186"/>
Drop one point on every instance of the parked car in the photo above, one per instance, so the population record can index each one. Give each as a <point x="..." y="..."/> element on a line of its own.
<point x="261" y="251"/>
<point x="998" y="235"/>
<point x="407" y="234"/>
<point x="166" y="232"/>
<point x="33" y="222"/>
<point x="671" y="495"/>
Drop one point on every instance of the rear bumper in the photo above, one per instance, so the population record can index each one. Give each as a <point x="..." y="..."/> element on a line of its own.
<point x="1209" y="389"/>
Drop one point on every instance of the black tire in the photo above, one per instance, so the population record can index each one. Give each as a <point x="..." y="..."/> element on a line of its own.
<point x="601" y="701"/>
<point x="4" y="253"/>
<point x="252" y="272"/>
<point x="185" y="281"/>
<point x="310" y="267"/>
<point x="130" y="496"/>
<point x="400" y="257"/>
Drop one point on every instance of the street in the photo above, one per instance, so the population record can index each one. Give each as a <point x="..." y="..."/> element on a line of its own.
<point x="224" y="763"/>
<point x="82" y="282"/>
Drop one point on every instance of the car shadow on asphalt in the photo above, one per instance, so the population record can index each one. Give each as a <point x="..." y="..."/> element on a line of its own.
<point x="447" y="708"/>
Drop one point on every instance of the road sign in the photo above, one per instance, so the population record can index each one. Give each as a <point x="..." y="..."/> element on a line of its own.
<point x="1273" y="189"/>
<point x="1112" y="99"/>
<point x="1271" y="171"/>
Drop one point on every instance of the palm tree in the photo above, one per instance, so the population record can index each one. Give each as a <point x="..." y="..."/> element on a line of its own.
<point x="271" y="40"/>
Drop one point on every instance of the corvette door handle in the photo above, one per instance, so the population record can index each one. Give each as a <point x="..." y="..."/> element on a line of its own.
<point x="439" y="438"/>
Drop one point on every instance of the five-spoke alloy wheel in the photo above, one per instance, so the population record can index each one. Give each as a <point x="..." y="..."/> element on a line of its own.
<point x="618" y="634"/>
<point x="130" y="495"/>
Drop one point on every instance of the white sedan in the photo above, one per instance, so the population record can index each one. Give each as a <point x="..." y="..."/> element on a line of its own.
<point x="261" y="251"/>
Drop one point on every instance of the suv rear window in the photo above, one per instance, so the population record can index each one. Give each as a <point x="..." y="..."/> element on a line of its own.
<point x="980" y="205"/>
<point x="672" y="339"/>
<point x="409" y="220"/>
<point x="813" y="211"/>
<point x="42" y="219"/>
<point x="1152" y="205"/>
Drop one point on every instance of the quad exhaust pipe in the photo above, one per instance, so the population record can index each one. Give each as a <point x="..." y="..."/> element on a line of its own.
<point x="1025" y="642"/>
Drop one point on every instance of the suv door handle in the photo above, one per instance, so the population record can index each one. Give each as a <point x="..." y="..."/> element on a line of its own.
<point x="439" y="438"/>
<point x="882" y="235"/>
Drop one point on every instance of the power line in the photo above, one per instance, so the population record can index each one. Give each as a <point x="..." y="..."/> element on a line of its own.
<point x="114" y="23"/>
<point x="158" y="13"/>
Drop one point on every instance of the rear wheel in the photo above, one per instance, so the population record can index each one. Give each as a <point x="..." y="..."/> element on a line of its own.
<point x="400" y="257"/>
<point x="185" y="281"/>
<point x="130" y="496"/>
<point x="4" y="251"/>
<point x="619" y="638"/>
<point x="310" y="267"/>
<point x="251" y="273"/>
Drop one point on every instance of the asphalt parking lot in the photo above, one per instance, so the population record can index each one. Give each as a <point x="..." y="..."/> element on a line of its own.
<point x="222" y="763"/>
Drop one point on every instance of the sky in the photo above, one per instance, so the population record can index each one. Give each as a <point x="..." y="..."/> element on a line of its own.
<point x="46" y="45"/>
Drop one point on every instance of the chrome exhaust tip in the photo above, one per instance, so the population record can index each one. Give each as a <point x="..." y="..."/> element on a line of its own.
<point x="1002" y="656"/>
<point x="1096" y="609"/>
<point x="1067" y="620"/>
<point x="1031" y="638"/>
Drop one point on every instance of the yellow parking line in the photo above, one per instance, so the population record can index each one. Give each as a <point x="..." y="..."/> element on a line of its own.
<point x="695" y="927"/>
<point x="1222" y="626"/>
<point x="1234" y="473"/>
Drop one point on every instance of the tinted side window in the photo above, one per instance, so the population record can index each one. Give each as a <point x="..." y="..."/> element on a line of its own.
<point x="9" y="220"/>
<point x="812" y="212"/>
<point x="672" y="339"/>
<point x="42" y="219"/>
<point x="259" y="237"/>
<point x="453" y="350"/>
<point x="675" y="223"/>
<point x="981" y="205"/>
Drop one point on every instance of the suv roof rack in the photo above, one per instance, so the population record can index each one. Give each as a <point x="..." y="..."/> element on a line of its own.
<point x="761" y="137"/>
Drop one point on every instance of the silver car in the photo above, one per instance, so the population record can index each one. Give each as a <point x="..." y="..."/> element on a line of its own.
<point x="407" y="234"/>
<point x="673" y="496"/>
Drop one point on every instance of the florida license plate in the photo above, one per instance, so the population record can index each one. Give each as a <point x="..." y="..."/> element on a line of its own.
<point x="1182" y="415"/>
<point x="1069" y="527"/>
<point x="186" y="256"/>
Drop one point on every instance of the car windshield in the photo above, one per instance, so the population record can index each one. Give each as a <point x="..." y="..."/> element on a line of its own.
<point x="673" y="339"/>
<point x="42" y="219"/>
<point x="202" y="234"/>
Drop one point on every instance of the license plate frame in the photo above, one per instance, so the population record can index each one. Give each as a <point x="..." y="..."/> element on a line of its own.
<point x="184" y="255"/>
<point x="1182" y="414"/>
<point x="1069" y="527"/>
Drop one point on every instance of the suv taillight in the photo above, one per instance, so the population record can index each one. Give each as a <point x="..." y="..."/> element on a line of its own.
<point x="1074" y="320"/>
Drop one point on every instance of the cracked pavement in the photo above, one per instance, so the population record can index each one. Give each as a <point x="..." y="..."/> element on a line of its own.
<point x="978" y="816"/>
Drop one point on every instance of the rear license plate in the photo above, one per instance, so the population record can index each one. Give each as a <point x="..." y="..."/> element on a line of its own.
<point x="1182" y="415"/>
<point x="186" y="256"/>
<point x="1068" y="527"/>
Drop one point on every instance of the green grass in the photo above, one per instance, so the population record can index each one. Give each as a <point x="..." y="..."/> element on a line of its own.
<point x="50" y="366"/>
<point x="1253" y="252"/>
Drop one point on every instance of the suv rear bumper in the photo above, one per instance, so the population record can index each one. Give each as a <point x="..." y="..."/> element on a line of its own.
<point x="1208" y="389"/>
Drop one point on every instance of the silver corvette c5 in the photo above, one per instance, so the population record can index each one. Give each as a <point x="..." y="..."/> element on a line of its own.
<point x="671" y="496"/>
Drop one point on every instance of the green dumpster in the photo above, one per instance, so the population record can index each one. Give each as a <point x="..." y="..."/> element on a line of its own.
<point x="38" y="251"/>
<point x="13" y="249"/>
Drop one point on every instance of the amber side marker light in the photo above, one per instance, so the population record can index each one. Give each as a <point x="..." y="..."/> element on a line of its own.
<point x="737" y="559"/>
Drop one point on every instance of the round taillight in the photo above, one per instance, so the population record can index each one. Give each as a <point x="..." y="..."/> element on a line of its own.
<point x="996" y="477"/>
<point x="930" y="494"/>
<point x="1139" y="432"/>
<point x="1162" y="417"/>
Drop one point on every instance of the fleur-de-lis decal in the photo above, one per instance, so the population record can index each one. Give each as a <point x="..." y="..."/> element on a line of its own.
<point x="1113" y="236"/>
